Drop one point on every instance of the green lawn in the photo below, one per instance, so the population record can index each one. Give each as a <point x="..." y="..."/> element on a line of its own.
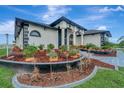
<point x="6" y="75"/>
<point x="2" y="52"/>
<point x="106" y="79"/>
<point x="103" y="78"/>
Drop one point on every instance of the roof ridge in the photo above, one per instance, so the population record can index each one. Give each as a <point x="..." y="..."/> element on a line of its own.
<point x="96" y="30"/>
<point x="31" y="21"/>
<point x="66" y="19"/>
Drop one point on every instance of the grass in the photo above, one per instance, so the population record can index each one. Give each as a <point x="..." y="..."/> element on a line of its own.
<point x="106" y="79"/>
<point x="2" y="52"/>
<point x="103" y="79"/>
<point x="6" y="75"/>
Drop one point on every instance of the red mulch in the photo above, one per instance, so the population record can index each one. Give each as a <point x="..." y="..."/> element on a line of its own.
<point x="40" y="56"/>
<point x="58" y="78"/>
<point x="101" y="64"/>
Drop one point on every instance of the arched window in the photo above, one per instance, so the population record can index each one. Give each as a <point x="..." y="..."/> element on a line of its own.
<point x="35" y="33"/>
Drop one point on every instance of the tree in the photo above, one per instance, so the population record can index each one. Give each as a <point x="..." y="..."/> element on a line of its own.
<point x="120" y="39"/>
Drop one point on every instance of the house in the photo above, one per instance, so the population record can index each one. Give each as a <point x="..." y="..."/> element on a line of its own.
<point x="60" y="32"/>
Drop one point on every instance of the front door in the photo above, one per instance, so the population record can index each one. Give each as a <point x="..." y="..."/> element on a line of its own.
<point x="59" y="37"/>
<point x="71" y="39"/>
<point x="65" y="37"/>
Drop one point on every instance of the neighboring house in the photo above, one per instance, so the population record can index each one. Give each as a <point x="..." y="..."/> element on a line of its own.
<point x="61" y="32"/>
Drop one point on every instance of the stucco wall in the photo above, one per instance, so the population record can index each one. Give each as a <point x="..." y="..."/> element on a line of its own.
<point x="78" y="40"/>
<point x="19" y="40"/>
<point x="47" y="36"/>
<point x="94" y="39"/>
<point x="65" y="25"/>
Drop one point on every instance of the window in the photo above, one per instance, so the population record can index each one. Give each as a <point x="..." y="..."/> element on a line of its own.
<point x="35" y="33"/>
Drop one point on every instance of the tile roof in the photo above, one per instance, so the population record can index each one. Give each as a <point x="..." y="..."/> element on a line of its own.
<point x="36" y="23"/>
<point x="90" y="32"/>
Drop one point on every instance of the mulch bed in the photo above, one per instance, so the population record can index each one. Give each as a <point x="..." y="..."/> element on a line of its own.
<point x="101" y="64"/>
<point x="57" y="78"/>
<point x="40" y="56"/>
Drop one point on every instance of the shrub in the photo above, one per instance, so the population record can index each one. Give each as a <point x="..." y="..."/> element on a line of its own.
<point x="29" y="51"/>
<point x="109" y="45"/>
<point x="91" y="46"/>
<point x="73" y="47"/>
<point x="73" y="52"/>
<point x="41" y="47"/>
<point x="105" y="47"/>
<point x="64" y="48"/>
<point x="50" y="46"/>
<point x="48" y="50"/>
<point x="52" y="54"/>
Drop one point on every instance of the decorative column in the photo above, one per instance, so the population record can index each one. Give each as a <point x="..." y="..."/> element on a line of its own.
<point x="82" y="38"/>
<point x="63" y="33"/>
<point x="74" y="38"/>
<point x="68" y="40"/>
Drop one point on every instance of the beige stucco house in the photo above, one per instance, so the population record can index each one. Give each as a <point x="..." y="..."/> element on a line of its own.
<point x="61" y="32"/>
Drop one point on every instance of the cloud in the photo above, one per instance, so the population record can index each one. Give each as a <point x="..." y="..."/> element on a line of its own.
<point x="21" y="11"/>
<point x="7" y="27"/>
<point x="95" y="17"/>
<point x="54" y="11"/>
<point x="91" y="19"/>
<point x="107" y="9"/>
<point x="102" y="27"/>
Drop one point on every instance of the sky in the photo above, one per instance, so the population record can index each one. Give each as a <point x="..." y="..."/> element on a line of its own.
<point x="100" y="17"/>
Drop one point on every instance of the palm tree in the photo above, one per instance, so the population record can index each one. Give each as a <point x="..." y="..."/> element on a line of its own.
<point x="120" y="39"/>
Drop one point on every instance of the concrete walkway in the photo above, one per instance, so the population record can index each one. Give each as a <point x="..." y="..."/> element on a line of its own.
<point x="117" y="61"/>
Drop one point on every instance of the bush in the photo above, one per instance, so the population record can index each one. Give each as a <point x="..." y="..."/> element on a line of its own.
<point x="91" y="46"/>
<point x="105" y="47"/>
<point x="52" y="54"/>
<point x="29" y="51"/>
<point x="41" y="47"/>
<point x="110" y="45"/>
<point x="121" y="44"/>
<point x="50" y="47"/>
<point x="73" y="52"/>
<point x="64" y="48"/>
<point x="73" y="47"/>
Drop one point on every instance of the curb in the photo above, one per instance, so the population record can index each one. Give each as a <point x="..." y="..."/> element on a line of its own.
<point x="17" y="84"/>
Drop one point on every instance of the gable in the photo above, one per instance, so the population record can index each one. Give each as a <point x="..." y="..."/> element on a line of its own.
<point x="69" y="22"/>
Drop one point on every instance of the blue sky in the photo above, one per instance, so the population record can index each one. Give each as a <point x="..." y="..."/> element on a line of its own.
<point x="91" y="17"/>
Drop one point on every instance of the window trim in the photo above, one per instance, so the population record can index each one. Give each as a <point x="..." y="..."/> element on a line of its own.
<point x="39" y="35"/>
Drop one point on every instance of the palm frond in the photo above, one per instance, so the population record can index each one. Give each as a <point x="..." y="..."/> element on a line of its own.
<point x="120" y="39"/>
